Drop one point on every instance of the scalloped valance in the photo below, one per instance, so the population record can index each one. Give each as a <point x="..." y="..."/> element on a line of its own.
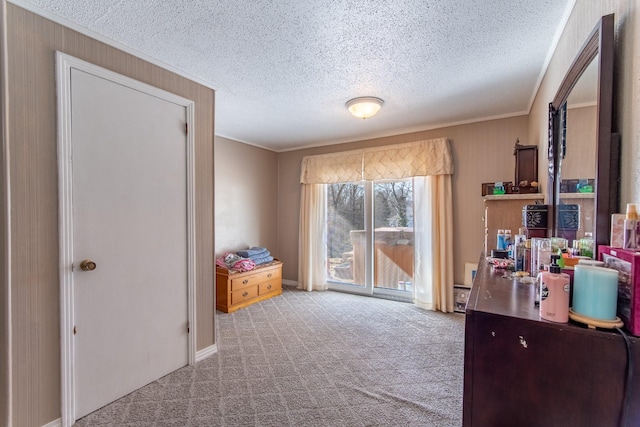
<point x="418" y="158"/>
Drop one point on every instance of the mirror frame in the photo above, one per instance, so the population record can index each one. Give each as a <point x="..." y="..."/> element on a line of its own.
<point x="600" y="42"/>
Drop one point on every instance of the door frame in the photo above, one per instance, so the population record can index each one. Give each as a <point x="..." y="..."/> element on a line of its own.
<point x="64" y="64"/>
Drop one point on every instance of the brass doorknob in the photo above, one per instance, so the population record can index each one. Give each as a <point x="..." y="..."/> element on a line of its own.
<point x="87" y="265"/>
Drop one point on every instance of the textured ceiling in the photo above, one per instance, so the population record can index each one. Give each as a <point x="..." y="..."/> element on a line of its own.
<point x="283" y="69"/>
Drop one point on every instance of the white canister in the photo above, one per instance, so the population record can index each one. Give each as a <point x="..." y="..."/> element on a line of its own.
<point x="595" y="292"/>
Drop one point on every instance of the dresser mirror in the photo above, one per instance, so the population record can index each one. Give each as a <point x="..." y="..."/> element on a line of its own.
<point x="583" y="155"/>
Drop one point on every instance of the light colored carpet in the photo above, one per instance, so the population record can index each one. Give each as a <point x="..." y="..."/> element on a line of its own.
<point x="312" y="359"/>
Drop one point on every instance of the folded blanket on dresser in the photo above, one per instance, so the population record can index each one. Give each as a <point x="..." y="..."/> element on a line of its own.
<point x="235" y="262"/>
<point x="254" y="251"/>
<point x="260" y="255"/>
<point x="262" y="259"/>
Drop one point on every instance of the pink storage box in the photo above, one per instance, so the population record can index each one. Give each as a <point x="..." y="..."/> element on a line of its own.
<point x="627" y="262"/>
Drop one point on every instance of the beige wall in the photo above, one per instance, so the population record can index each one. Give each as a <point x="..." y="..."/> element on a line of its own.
<point x="245" y="197"/>
<point x="580" y="162"/>
<point x="583" y="19"/>
<point x="482" y="152"/>
<point x="32" y="42"/>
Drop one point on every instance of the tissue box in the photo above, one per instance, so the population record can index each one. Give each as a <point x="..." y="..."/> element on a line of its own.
<point x="569" y="217"/>
<point x="534" y="219"/>
<point x="568" y="221"/>
<point x="627" y="262"/>
<point x="617" y="230"/>
<point x="535" y="216"/>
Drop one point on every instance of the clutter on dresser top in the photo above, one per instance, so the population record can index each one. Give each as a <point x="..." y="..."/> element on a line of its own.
<point x="245" y="259"/>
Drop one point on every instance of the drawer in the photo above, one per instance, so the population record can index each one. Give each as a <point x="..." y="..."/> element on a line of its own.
<point x="266" y="287"/>
<point x="256" y="278"/>
<point x="244" y="294"/>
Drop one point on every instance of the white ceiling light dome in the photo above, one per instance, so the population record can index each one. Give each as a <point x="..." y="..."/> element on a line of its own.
<point x="364" y="106"/>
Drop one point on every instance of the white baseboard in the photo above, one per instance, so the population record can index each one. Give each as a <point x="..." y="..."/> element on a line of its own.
<point x="293" y="283"/>
<point x="206" y="352"/>
<point x="54" y="423"/>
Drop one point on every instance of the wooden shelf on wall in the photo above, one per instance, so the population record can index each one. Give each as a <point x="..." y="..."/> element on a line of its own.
<point x="577" y="195"/>
<point x="530" y="196"/>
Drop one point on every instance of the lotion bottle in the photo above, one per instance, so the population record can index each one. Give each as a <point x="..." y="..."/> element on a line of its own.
<point x="554" y="293"/>
<point x="527" y="257"/>
<point x="520" y="250"/>
<point x="630" y="227"/>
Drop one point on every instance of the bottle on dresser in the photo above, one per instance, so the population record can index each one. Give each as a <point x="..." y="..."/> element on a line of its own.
<point x="554" y="293"/>
<point x="631" y="227"/>
<point x="500" y="243"/>
<point x="519" y="250"/>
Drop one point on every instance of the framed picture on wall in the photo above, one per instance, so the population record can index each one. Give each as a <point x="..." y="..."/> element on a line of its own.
<point x="460" y="298"/>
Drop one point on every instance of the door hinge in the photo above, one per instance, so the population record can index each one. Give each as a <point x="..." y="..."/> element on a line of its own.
<point x="188" y="328"/>
<point x="75" y="330"/>
<point x="186" y="128"/>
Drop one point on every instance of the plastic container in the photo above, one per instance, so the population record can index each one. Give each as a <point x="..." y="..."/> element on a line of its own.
<point x="586" y="245"/>
<point x="545" y="250"/>
<point x="500" y="242"/>
<point x="534" y="267"/>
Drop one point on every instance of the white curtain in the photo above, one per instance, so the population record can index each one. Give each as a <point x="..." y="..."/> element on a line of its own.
<point x="433" y="226"/>
<point x="431" y="166"/>
<point x="311" y="257"/>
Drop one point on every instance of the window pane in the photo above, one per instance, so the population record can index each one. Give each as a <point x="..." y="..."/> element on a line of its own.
<point x="345" y="233"/>
<point x="393" y="235"/>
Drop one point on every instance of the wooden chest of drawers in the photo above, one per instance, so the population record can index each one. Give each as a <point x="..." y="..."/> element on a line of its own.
<point x="235" y="290"/>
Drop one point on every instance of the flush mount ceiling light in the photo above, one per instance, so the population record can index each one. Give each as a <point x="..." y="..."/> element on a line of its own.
<point x="365" y="106"/>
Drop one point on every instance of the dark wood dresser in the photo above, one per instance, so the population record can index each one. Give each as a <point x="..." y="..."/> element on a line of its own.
<point x="521" y="371"/>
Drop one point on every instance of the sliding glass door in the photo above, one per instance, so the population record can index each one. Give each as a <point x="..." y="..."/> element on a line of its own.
<point x="346" y="239"/>
<point x="393" y="238"/>
<point x="370" y="244"/>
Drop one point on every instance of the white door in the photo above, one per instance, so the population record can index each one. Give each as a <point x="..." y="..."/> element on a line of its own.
<point x="129" y="203"/>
